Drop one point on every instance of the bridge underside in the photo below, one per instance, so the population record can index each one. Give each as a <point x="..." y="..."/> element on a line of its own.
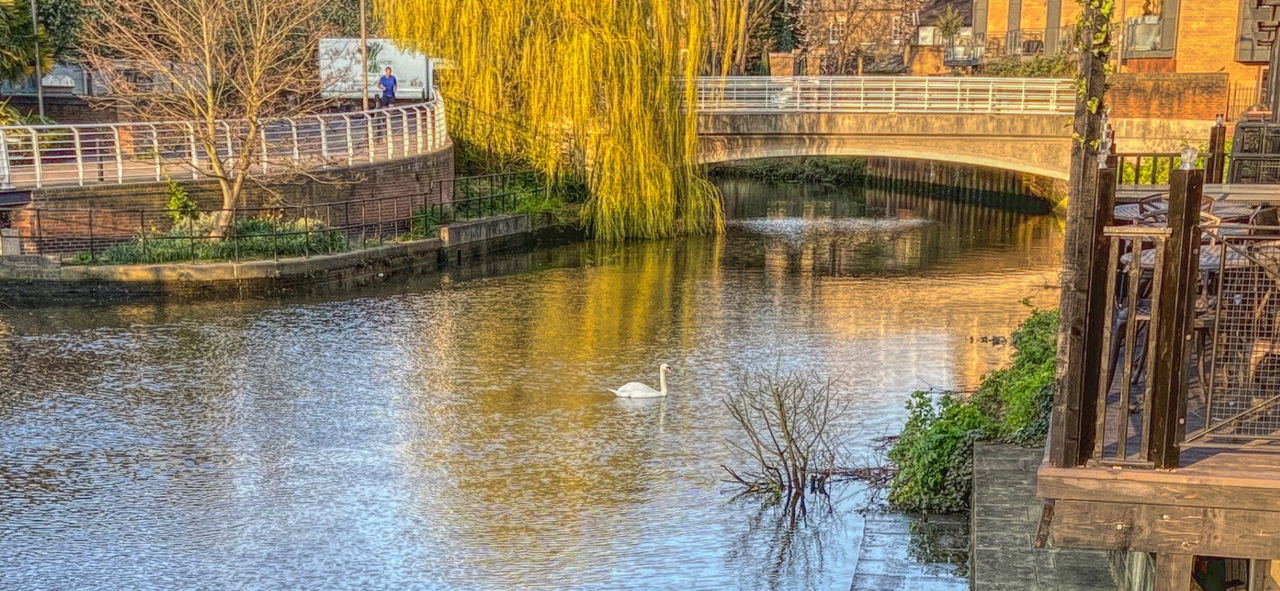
<point x="1035" y="144"/>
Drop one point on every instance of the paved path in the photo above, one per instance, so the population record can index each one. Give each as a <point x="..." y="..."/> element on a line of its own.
<point x="1006" y="514"/>
<point x="900" y="553"/>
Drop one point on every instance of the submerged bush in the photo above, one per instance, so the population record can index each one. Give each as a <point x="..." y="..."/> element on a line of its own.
<point x="934" y="453"/>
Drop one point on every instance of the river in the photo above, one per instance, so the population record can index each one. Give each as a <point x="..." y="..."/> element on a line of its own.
<point x="454" y="432"/>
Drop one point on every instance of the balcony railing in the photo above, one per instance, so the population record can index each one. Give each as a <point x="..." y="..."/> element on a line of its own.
<point x="1190" y="327"/>
<point x="36" y="156"/>
<point x="1232" y="395"/>
<point x="971" y="50"/>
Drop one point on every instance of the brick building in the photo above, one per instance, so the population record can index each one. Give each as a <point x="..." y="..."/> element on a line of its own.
<point x="856" y="36"/>
<point x="1154" y="36"/>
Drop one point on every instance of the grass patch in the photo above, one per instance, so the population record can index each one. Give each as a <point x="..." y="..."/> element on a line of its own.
<point x="934" y="453"/>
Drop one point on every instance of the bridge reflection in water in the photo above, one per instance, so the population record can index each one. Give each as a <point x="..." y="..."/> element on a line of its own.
<point x="881" y="228"/>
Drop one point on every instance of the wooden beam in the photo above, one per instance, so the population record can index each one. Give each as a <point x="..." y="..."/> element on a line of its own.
<point x="1072" y="424"/>
<point x="1171" y="327"/>
<point x="1093" y="357"/>
<point x="1173" y="572"/>
<point x="1231" y="490"/>
<point x="1166" y="529"/>
<point x="1216" y="161"/>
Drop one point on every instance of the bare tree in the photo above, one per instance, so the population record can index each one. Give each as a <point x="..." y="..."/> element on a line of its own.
<point x="856" y="31"/>
<point x="796" y="433"/>
<point x="736" y="24"/>
<point x="208" y="62"/>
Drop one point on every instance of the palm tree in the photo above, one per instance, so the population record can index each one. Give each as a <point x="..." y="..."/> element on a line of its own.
<point x="18" y="41"/>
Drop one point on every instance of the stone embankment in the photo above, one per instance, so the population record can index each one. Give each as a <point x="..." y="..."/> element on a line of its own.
<point x="40" y="280"/>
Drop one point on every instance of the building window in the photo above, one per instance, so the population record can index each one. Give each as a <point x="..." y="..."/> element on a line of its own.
<point x="836" y="31"/>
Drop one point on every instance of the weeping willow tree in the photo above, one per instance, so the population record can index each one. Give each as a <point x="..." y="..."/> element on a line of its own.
<point x="609" y="78"/>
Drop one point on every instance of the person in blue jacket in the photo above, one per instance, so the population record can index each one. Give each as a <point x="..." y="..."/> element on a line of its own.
<point x="388" y="85"/>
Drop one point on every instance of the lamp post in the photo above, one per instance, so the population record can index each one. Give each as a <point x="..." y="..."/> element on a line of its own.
<point x="35" y="37"/>
<point x="364" y="61"/>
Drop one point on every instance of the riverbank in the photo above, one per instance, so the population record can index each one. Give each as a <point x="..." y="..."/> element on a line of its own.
<point x="34" y="280"/>
<point x="824" y="170"/>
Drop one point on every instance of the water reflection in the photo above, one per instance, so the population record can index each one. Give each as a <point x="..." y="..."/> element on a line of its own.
<point x="451" y="434"/>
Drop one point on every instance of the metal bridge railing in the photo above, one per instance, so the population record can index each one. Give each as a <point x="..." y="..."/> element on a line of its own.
<point x="36" y="156"/>
<point x="885" y="94"/>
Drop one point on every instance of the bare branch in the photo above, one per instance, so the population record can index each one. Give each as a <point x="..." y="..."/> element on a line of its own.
<point x="207" y="62"/>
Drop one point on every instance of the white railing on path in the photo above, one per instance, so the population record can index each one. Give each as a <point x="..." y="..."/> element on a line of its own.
<point x="35" y="156"/>
<point x="885" y="94"/>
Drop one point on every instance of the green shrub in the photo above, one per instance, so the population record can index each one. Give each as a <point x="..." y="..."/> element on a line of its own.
<point x="423" y="222"/>
<point x="796" y="170"/>
<point x="1157" y="173"/>
<point x="934" y="453"/>
<point x="248" y="238"/>
<point x="538" y="204"/>
<point x="1058" y="65"/>
<point x="181" y="206"/>
<point x="523" y="197"/>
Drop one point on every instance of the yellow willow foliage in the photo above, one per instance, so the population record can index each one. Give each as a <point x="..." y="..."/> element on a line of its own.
<point x="596" y="84"/>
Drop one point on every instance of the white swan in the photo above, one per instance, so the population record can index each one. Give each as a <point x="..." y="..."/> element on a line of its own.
<point x="638" y="390"/>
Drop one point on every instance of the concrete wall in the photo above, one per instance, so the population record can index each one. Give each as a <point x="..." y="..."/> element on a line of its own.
<point x="1033" y="144"/>
<point x="120" y="211"/>
<point x="1036" y="144"/>
<point x="1160" y="135"/>
<point x="39" y="280"/>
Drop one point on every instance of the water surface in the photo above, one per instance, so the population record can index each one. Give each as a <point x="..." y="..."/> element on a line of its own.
<point x="454" y="433"/>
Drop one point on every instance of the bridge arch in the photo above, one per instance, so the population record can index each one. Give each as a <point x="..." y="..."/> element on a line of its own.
<point x="1034" y="144"/>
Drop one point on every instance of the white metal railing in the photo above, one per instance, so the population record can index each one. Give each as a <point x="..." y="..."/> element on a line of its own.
<point x="886" y="94"/>
<point x="35" y="156"/>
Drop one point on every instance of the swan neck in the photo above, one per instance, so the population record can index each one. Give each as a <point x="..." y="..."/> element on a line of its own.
<point x="662" y="380"/>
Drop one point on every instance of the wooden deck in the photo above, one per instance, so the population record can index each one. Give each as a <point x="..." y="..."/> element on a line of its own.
<point x="1225" y="504"/>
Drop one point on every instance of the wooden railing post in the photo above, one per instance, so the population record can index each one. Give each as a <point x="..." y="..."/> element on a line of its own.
<point x="1171" y="340"/>
<point x="1073" y="425"/>
<point x="1098" y="307"/>
<point x="1215" y="163"/>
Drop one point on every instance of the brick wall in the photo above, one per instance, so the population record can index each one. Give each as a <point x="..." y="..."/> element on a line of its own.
<point x="1150" y="65"/>
<point x="997" y="18"/>
<point x="1207" y="32"/>
<point x="65" y="109"/>
<point x="1168" y="96"/>
<point x="372" y="198"/>
<point x="1034" y="15"/>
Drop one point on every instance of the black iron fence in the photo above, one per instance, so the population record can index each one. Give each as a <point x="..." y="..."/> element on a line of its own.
<point x="1241" y="373"/>
<point x="144" y="236"/>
